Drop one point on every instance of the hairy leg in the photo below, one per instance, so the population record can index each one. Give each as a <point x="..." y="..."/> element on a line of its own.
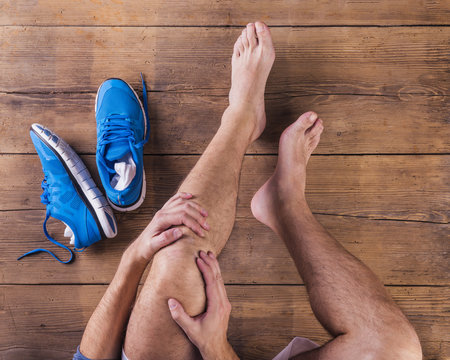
<point x="346" y="296"/>
<point x="214" y="182"/>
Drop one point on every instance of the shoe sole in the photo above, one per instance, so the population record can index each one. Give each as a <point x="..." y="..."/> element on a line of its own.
<point x="81" y="179"/>
<point x="141" y="198"/>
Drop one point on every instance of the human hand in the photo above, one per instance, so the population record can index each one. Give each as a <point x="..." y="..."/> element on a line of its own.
<point x="178" y="210"/>
<point x="208" y="331"/>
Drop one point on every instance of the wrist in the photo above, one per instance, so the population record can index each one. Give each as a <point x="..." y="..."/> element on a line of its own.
<point x="133" y="256"/>
<point x="224" y="352"/>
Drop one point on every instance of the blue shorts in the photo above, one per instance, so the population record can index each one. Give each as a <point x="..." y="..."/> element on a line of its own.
<point x="297" y="346"/>
<point x="79" y="356"/>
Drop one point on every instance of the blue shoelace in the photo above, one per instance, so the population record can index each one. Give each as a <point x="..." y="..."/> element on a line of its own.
<point x="117" y="128"/>
<point x="45" y="199"/>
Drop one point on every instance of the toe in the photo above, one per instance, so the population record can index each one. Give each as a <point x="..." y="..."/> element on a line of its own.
<point x="316" y="129"/>
<point x="306" y="120"/>
<point x="313" y="143"/>
<point x="251" y="35"/>
<point x="244" y="38"/>
<point x="263" y="33"/>
<point x="237" y="47"/>
<point x="240" y="45"/>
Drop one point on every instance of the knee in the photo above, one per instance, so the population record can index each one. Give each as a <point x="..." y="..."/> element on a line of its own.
<point x="408" y="345"/>
<point x="174" y="274"/>
<point x="397" y="339"/>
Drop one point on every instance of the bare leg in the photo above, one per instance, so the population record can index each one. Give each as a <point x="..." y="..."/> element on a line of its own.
<point x="346" y="296"/>
<point x="214" y="182"/>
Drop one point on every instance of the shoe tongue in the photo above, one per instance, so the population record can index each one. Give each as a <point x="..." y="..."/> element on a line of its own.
<point x="69" y="233"/>
<point x="117" y="150"/>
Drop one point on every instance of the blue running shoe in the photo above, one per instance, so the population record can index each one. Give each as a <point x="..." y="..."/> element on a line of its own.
<point x="123" y="129"/>
<point x="70" y="194"/>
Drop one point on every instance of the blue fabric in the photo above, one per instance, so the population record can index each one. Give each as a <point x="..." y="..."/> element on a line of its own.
<point x="63" y="202"/>
<point x="120" y="131"/>
<point x="79" y="356"/>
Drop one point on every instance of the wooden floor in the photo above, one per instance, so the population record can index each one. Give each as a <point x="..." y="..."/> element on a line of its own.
<point x="376" y="71"/>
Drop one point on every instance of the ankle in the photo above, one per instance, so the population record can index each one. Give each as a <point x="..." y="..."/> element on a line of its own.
<point x="239" y="121"/>
<point x="289" y="189"/>
<point x="240" y="113"/>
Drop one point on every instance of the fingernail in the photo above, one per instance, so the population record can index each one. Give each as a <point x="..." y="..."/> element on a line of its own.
<point x="206" y="226"/>
<point x="177" y="233"/>
<point x="204" y="212"/>
<point x="313" y="117"/>
<point x="172" y="304"/>
<point x="202" y="253"/>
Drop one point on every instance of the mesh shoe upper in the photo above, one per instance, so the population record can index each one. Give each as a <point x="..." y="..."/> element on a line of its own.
<point x="121" y="131"/>
<point x="63" y="201"/>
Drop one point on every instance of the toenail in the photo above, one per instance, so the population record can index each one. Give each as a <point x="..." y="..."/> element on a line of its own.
<point x="313" y="116"/>
<point x="259" y="27"/>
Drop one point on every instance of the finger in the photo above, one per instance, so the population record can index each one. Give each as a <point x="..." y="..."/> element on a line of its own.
<point x="214" y="264"/>
<point x="182" y="217"/>
<point x="165" y="238"/>
<point x="181" y="317"/>
<point x="180" y="201"/>
<point x="180" y="195"/>
<point x="205" y="269"/>
<point x="192" y="223"/>
<point x="212" y="291"/>
<point x="215" y="289"/>
<point x="198" y="207"/>
<point x="210" y="261"/>
<point x="194" y="211"/>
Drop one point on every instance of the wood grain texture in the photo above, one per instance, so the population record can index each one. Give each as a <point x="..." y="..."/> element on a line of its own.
<point x="48" y="321"/>
<point x="184" y="123"/>
<point x="350" y="60"/>
<point x="385" y="187"/>
<point x="400" y="253"/>
<point x="380" y="83"/>
<point x="228" y="12"/>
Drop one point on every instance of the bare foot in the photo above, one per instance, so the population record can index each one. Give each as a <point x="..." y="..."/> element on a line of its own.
<point x="288" y="182"/>
<point x="253" y="57"/>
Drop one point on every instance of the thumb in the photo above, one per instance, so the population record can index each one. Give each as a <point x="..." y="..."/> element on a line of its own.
<point x="180" y="316"/>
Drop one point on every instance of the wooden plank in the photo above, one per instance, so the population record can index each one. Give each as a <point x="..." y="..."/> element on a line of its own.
<point x="184" y="123"/>
<point x="355" y="60"/>
<point x="386" y="187"/>
<point x="394" y="250"/>
<point x="48" y="321"/>
<point x="210" y="12"/>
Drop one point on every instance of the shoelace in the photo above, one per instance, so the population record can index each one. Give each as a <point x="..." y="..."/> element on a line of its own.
<point x="117" y="128"/>
<point x="45" y="199"/>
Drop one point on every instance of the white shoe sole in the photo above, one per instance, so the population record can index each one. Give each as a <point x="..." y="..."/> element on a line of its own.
<point x="144" y="184"/>
<point x="82" y="179"/>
